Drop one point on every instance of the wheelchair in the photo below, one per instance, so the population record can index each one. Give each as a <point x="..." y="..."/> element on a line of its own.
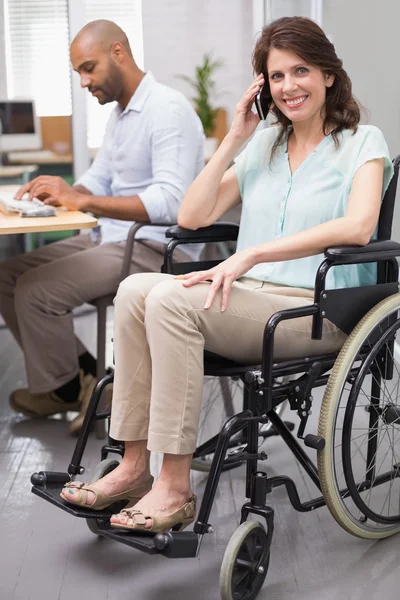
<point x="358" y="437"/>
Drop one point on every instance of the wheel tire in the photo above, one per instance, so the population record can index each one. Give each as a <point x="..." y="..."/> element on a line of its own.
<point x="328" y="416"/>
<point x="102" y="469"/>
<point x="245" y="531"/>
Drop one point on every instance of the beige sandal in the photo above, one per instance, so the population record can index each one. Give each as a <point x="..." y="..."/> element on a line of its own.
<point x="177" y="521"/>
<point x="102" y="500"/>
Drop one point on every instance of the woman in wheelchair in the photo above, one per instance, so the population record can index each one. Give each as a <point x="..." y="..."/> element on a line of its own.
<point x="314" y="179"/>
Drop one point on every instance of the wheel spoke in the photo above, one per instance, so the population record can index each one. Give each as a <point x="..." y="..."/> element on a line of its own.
<point x="240" y="578"/>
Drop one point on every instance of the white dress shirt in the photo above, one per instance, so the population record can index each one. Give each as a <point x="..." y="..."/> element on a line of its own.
<point x="153" y="149"/>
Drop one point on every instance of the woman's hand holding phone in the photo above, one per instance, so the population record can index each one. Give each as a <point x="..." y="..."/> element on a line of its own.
<point x="245" y="120"/>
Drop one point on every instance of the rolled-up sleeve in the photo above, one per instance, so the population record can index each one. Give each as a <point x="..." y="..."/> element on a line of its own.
<point x="175" y="160"/>
<point x="98" y="178"/>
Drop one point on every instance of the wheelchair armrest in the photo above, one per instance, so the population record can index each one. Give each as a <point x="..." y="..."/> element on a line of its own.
<point x="130" y="240"/>
<point x="374" y="251"/>
<point x="219" y="232"/>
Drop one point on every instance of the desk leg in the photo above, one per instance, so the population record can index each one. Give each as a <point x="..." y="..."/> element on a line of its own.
<point x="28" y="242"/>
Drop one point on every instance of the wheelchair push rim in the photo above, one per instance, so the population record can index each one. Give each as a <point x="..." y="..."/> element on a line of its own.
<point x="362" y="451"/>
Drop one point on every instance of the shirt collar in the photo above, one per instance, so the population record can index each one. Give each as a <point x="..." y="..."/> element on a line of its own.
<point x="141" y="94"/>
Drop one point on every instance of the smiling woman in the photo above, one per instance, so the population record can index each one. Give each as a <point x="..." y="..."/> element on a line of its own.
<point x="315" y="180"/>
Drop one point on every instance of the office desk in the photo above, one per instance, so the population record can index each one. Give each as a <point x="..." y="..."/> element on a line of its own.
<point x="39" y="157"/>
<point x="64" y="221"/>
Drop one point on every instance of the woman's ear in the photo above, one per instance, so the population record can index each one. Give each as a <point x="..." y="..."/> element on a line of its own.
<point x="329" y="79"/>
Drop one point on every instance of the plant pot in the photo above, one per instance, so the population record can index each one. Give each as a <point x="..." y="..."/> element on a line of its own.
<point x="210" y="146"/>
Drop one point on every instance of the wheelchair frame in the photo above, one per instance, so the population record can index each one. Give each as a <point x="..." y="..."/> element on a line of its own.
<point x="260" y="399"/>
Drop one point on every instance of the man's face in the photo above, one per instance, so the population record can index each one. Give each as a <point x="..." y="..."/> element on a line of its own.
<point x="97" y="70"/>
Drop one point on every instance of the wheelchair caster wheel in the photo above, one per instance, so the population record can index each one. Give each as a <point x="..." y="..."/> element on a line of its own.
<point x="245" y="563"/>
<point x="102" y="469"/>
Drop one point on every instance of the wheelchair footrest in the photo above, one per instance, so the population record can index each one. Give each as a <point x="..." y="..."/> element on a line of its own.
<point x="51" y="493"/>
<point x="172" y="545"/>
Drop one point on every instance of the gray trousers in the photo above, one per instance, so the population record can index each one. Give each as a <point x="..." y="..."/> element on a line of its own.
<point x="38" y="291"/>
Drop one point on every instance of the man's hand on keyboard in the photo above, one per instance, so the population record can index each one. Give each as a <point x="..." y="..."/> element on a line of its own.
<point x="53" y="191"/>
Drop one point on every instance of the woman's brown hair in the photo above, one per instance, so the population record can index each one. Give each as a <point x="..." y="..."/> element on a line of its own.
<point x="305" y="38"/>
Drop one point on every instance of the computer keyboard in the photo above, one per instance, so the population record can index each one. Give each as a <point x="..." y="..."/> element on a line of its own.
<point x="9" y="205"/>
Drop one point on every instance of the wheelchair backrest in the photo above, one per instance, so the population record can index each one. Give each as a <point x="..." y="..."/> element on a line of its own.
<point x="387" y="208"/>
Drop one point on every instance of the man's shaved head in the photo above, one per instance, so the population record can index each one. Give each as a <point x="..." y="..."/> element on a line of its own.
<point x="102" y="56"/>
<point x="102" y="34"/>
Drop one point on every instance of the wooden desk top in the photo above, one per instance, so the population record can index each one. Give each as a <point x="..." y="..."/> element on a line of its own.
<point x="65" y="220"/>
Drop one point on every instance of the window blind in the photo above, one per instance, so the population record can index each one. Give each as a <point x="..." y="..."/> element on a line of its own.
<point x="37" y="54"/>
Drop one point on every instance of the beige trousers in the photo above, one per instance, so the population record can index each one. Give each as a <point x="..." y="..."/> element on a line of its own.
<point x="38" y="291"/>
<point x="161" y="331"/>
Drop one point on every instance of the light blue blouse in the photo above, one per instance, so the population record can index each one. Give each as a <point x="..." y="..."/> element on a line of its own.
<point x="278" y="204"/>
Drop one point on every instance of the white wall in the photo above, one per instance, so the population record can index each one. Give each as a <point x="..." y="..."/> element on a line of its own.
<point x="365" y="34"/>
<point x="178" y="32"/>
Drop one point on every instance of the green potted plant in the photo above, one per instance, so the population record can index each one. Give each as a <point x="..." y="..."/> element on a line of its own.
<point x="203" y="84"/>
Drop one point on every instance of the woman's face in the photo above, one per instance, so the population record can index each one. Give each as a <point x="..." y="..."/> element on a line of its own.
<point x="297" y="88"/>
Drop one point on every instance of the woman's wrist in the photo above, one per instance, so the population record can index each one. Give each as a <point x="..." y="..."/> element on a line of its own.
<point x="233" y="142"/>
<point x="253" y="254"/>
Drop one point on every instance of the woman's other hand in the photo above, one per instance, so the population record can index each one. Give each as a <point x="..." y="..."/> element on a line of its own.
<point x="222" y="276"/>
<point x="245" y="120"/>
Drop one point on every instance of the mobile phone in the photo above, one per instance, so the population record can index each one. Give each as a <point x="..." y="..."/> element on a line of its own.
<point x="263" y="103"/>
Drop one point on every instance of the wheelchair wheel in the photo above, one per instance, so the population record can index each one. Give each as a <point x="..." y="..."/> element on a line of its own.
<point x="245" y="563"/>
<point x="360" y="422"/>
<point x="102" y="469"/>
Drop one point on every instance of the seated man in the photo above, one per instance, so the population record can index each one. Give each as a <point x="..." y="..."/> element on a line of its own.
<point x="151" y="152"/>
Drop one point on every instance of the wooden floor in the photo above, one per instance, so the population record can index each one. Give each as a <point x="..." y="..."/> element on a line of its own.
<point x="48" y="555"/>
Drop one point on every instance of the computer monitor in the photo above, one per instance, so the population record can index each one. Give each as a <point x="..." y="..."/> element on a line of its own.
<point x="19" y="126"/>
